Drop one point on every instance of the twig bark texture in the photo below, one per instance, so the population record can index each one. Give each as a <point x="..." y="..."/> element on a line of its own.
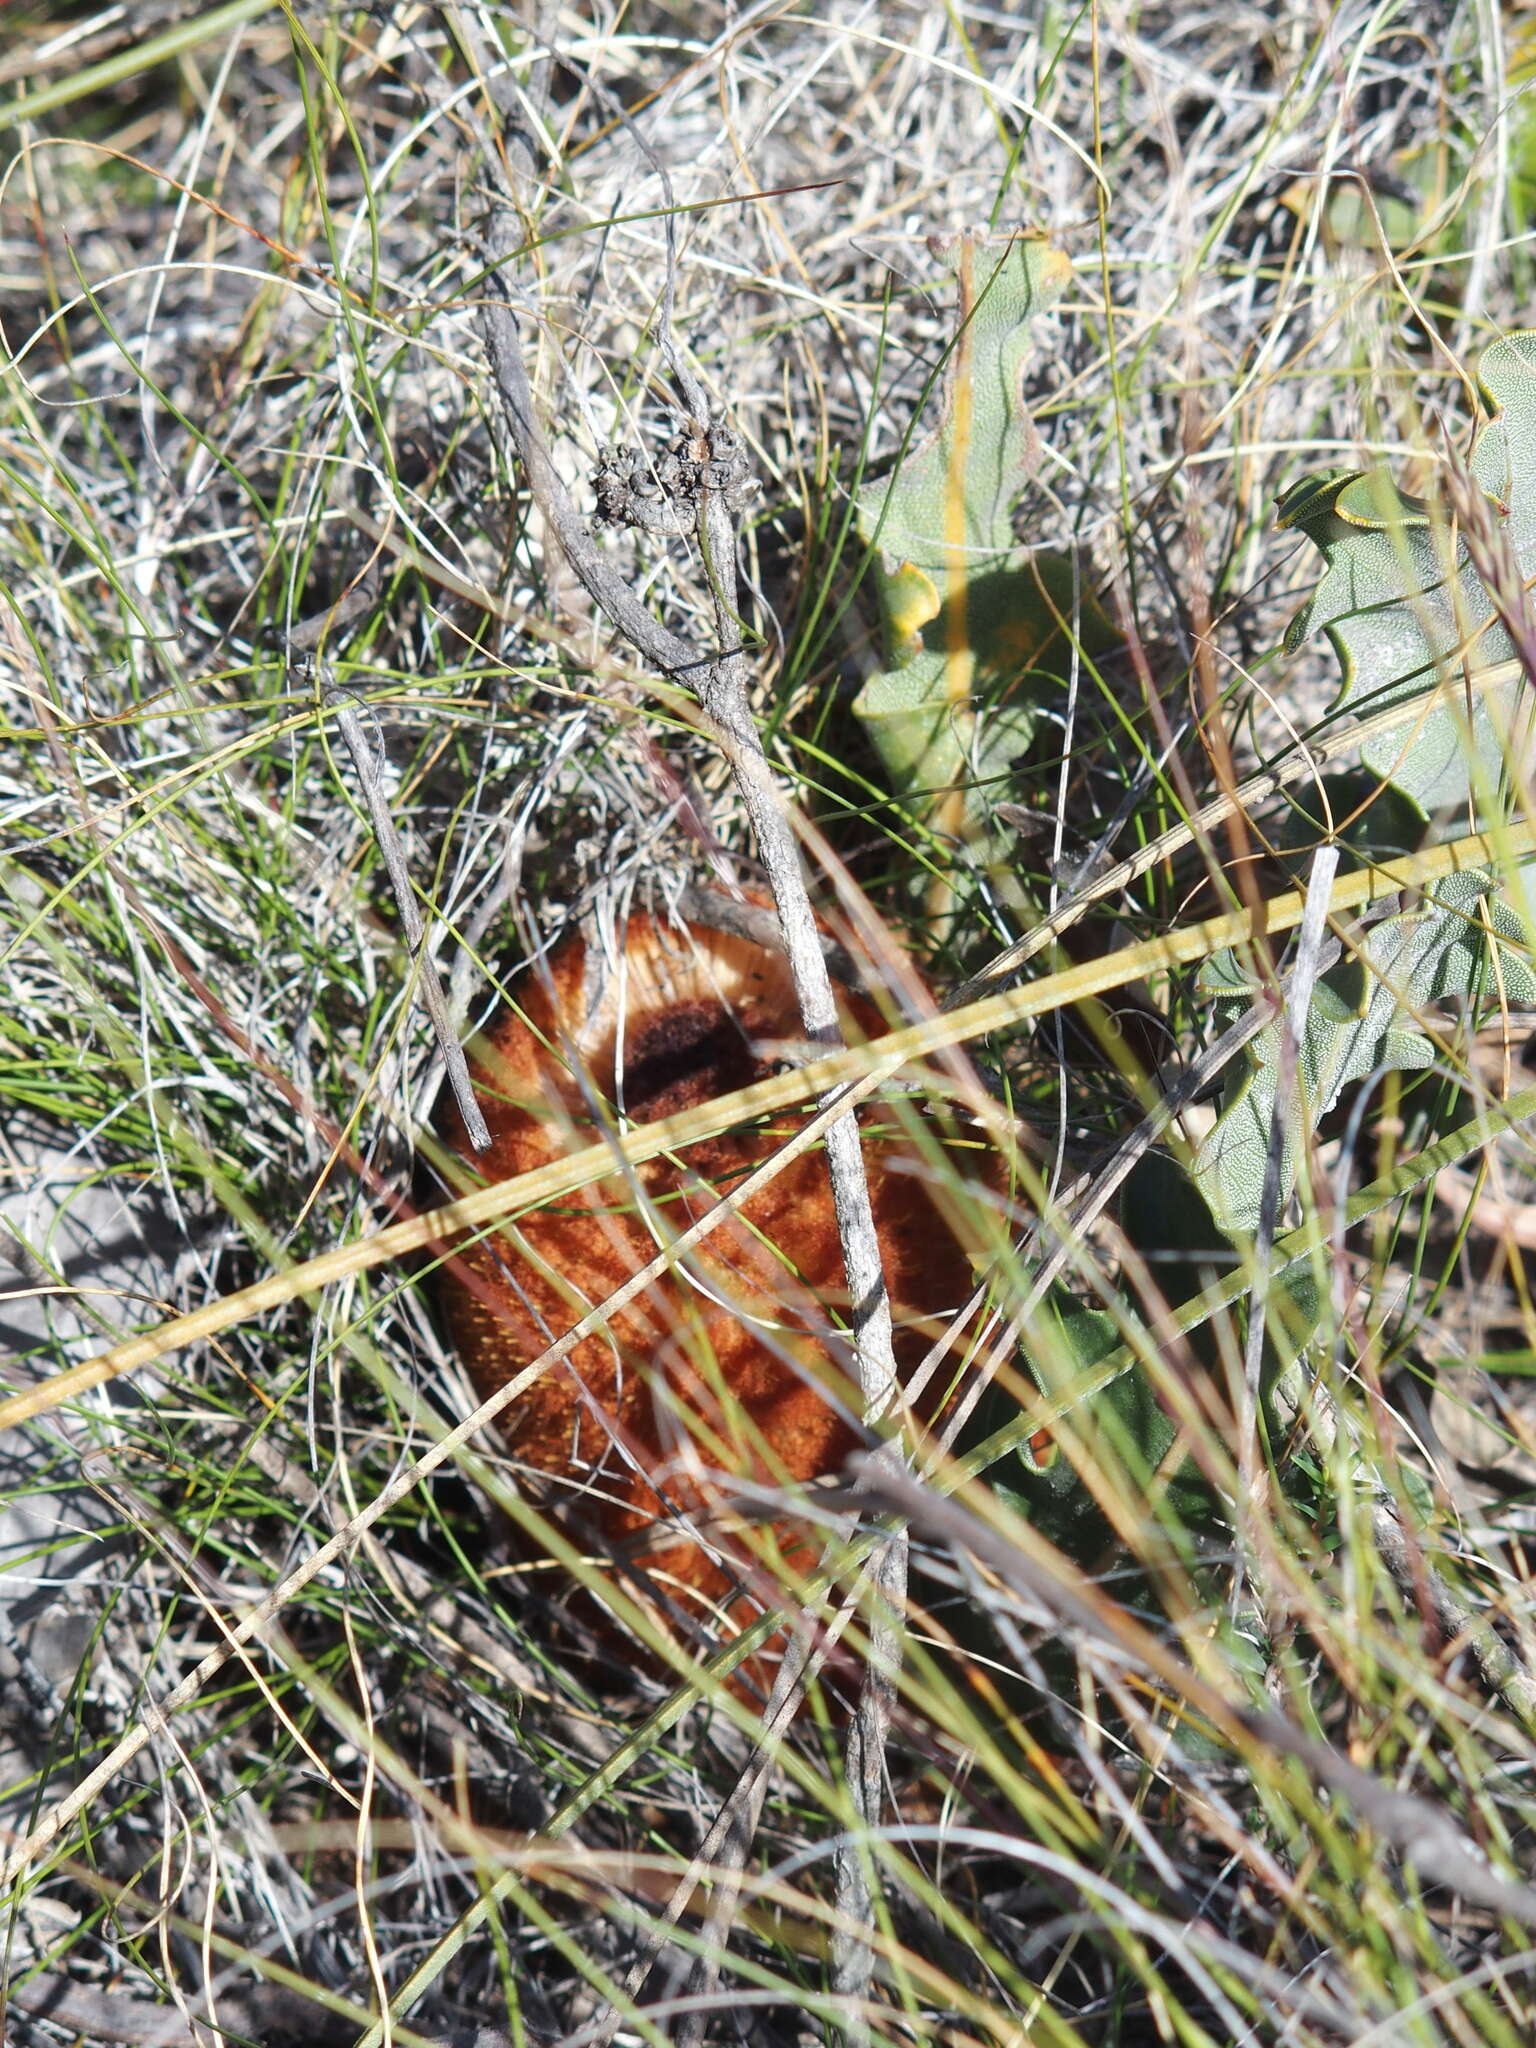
<point x="719" y="677"/>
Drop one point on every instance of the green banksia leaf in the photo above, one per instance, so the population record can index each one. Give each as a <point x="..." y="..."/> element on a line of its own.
<point x="968" y="614"/>
<point x="1408" y="613"/>
<point x="1411" y="617"/>
<point x="1118" y="1426"/>
<point x="1367" y="1016"/>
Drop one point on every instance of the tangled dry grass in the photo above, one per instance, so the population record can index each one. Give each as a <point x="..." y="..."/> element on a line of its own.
<point x="267" y="550"/>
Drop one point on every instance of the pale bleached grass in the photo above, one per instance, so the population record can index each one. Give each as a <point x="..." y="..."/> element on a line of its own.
<point x="238" y="291"/>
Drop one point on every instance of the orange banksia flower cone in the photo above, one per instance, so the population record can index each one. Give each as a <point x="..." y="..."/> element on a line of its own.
<point x="734" y="1366"/>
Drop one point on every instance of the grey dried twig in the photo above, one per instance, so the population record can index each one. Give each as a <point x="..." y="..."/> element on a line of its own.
<point x="1289" y="1106"/>
<point x="1424" y="1835"/>
<point x="705" y="476"/>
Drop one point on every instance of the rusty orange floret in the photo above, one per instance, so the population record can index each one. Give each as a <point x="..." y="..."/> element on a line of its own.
<point x="736" y="1365"/>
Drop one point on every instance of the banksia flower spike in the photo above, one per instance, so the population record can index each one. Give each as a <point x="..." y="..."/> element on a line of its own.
<point x="732" y="1368"/>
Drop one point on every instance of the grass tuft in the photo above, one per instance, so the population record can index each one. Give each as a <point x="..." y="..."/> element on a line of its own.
<point x="1241" y="1750"/>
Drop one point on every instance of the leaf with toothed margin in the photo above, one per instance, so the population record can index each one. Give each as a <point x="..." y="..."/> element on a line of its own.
<point x="1410" y="617"/>
<point x="1408" y="613"/>
<point x="1367" y="1016"/>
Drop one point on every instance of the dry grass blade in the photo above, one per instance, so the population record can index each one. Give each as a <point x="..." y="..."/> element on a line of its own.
<point x="1425" y="1835"/>
<point x="350" y="727"/>
<point x="439" y="345"/>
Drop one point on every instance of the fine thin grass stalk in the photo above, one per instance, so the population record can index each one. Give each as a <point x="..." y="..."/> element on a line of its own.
<point x="245" y="391"/>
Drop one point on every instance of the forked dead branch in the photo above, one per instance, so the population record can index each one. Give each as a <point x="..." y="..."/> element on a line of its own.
<point x="705" y="471"/>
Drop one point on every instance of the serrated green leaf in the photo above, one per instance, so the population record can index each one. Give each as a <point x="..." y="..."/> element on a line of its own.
<point x="1366" y="1017"/>
<point x="1406" y="610"/>
<point x="946" y="508"/>
<point x="1410" y="618"/>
